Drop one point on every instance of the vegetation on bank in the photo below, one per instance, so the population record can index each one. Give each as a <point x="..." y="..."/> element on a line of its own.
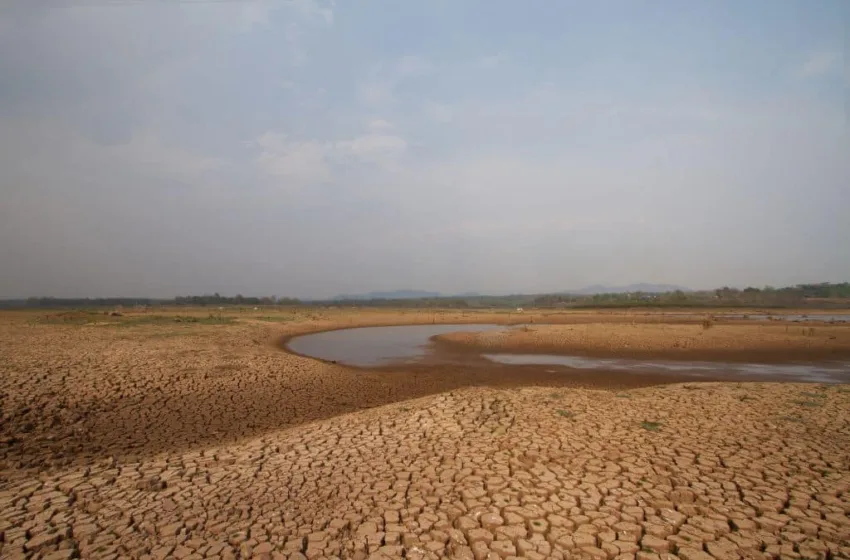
<point x="82" y="317"/>
<point x="204" y="300"/>
<point x="822" y="295"/>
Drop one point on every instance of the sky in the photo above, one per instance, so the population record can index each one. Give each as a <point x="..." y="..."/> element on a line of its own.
<point x="307" y="148"/>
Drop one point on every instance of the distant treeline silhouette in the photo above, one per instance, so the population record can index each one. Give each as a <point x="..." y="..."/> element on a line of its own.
<point x="214" y="299"/>
<point x="803" y="294"/>
<point x="86" y="302"/>
<point x="813" y="295"/>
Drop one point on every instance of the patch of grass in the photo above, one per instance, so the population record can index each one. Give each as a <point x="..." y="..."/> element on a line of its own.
<point x="556" y="395"/>
<point x="691" y="387"/>
<point x="144" y="320"/>
<point x="565" y="413"/>
<point x="650" y="426"/>
<point x="76" y="317"/>
<point x="281" y="319"/>
<point x="623" y="396"/>
<point x="813" y="395"/>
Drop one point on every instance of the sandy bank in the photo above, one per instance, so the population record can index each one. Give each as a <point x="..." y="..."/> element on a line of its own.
<point x="733" y="342"/>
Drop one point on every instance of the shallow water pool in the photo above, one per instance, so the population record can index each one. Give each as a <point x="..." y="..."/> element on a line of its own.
<point x="375" y="346"/>
<point x="408" y="344"/>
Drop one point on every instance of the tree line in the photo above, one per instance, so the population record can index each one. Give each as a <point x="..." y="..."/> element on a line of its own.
<point x="821" y="294"/>
<point x="202" y="300"/>
<point x="238" y="299"/>
<point x="791" y="296"/>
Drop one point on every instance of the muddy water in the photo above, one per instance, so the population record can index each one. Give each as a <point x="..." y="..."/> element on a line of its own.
<point x="375" y="346"/>
<point x="821" y="373"/>
<point x="833" y="318"/>
<point x="410" y="344"/>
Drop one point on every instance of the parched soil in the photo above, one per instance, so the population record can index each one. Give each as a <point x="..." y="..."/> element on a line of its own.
<point x="763" y="343"/>
<point x="74" y="393"/>
<point x="160" y="439"/>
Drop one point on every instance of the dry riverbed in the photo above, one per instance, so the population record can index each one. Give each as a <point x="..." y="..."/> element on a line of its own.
<point x="157" y="439"/>
<point x="772" y="342"/>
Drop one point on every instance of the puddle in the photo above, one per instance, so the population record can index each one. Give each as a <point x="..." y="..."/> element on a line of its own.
<point x="382" y="346"/>
<point x="376" y="346"/>
<point x="783" y="317"/>
<point x="822" y="373"/>
<point x="833" y="318"/>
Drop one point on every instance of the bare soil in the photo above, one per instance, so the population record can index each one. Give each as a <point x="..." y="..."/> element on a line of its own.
<point x="144" y="437"/>
<point x="765" y="342"/>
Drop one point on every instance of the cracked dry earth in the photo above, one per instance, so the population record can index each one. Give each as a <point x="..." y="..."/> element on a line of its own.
<point x="698" y="471"/>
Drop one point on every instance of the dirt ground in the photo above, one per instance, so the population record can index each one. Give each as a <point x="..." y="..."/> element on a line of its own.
<point x="139" y="436"/>
<point x="765" y="342"/>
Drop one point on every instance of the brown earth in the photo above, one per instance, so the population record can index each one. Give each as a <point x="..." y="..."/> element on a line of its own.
<point x="139" y="385"/>
<point x="144" y="437"/>
<point x="763" y="342"/>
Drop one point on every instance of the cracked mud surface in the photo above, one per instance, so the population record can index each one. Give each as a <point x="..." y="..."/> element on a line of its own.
<point x="699" y="470"/>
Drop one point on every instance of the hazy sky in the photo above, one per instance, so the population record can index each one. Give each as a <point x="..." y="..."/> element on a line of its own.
<point x="306" y="147"/>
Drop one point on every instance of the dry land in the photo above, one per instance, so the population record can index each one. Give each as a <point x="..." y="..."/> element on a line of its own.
<point x="174" y="434"/>
<point x="766" y="342"/>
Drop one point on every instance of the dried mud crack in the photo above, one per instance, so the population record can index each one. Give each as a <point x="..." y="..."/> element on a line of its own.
<point x="709" y="470"/>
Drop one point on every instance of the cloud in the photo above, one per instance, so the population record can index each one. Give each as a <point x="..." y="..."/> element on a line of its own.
<point x="312" y="161"/>
<point x="819" y="64"/>
<point x="380" y="124"/>
<point x="245" y="16"/>
<point x="26" y="143"/>
<point x="412" y="65"/>
<point x="512" y="225"/>
<point x="376" y="93"/>
<point x="438" y="113"/>
<point x="492" y="61"/>
<point x="385" y="78"/>
<point x="300" y="161"/>
<point x="406" y="161"/>
<point x="296" y="54"/>
<point x="314" y="9"/>
<point x="374" y="147"/>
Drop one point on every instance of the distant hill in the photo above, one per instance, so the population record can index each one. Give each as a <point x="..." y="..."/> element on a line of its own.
<point x="397" y="294"/>
<point x="642" y="287"/>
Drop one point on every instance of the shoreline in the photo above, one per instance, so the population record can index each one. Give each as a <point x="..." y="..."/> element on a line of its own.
<point x="763" y="344"/>
<point x="193" y="440"/>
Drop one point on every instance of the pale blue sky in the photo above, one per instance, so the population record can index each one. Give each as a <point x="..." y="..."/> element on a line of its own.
<point x="307" y="148"/>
